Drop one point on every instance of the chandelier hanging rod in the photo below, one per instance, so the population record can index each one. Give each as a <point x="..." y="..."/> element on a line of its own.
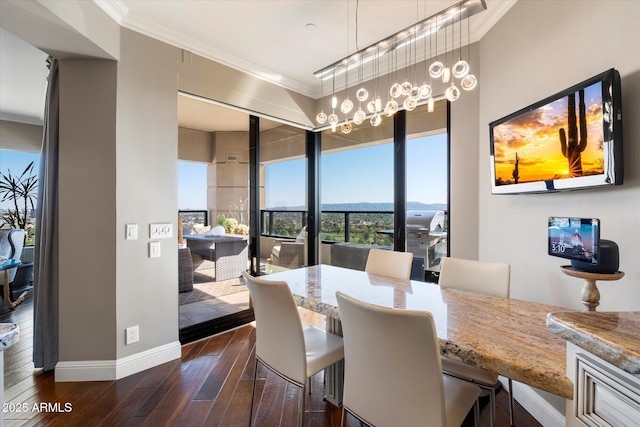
<point x="444" y="18"/>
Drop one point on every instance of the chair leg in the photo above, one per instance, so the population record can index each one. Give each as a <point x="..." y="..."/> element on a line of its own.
<point x="302" y="402"/>
<point x="309" y="385"/>
<point x="511" y="422"/>
<point x="476" y="413"/>
<point x="253" y="392"/>
<point x="492" y="407"/>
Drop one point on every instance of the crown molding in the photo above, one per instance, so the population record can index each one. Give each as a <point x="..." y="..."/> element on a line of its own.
<point x="114" y="8"/>
<point x="485" y="21"/>
<point x="132" y="21"/>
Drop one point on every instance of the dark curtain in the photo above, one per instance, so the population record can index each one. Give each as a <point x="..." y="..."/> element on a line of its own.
<point x="45" y="297"/>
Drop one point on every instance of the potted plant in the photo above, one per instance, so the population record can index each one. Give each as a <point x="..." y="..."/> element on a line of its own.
<point x="21" y="192"/>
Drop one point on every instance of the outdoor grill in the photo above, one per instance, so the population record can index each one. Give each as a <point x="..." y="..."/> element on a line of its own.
<point x="426" y="238"/>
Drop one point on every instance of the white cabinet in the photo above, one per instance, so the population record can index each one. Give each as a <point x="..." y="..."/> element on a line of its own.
<point x="604" y="395"/>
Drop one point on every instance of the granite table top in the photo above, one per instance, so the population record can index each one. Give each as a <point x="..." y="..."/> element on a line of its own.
<point x="503" y="335"/>
<point x="9" y="335"/>
<point x="612" y="336"/>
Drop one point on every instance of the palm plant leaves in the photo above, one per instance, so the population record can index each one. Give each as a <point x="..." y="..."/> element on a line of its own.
<point x="20" y="190"/>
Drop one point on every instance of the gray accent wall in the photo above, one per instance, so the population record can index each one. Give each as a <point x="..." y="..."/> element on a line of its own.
<point x="88" y="211"/>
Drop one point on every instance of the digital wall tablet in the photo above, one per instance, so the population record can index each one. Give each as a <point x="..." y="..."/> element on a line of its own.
<point x="574" y="238"/>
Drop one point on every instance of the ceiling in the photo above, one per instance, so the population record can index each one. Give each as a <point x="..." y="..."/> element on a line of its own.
<point x="283" y="42"/>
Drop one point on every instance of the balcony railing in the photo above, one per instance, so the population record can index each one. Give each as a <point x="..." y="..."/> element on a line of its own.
<point x="335" y="226"/>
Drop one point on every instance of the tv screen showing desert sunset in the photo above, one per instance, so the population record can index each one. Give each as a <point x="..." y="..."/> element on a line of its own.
<point x="562" y="139"/>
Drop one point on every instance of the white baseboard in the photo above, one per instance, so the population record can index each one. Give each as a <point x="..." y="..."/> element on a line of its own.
<point x="535" y="404"/>
<point x="109" y="370"/>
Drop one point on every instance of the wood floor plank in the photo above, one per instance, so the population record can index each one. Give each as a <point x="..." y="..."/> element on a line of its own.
<point x="228" y="359"/>
<point x="182" y="392"/>
<point x="127" y="408"/>
<point x="237" y="410"/>
<point x="269" y="411"/>
<point x="107" y="401"/>
<point x="291" y="405"/>
<point x="228" y="392"/>
<point x="159" y="374"/>
<point x="195" y="413"/>
<point x="160" y="392"/>
<point x="214" y="346"/>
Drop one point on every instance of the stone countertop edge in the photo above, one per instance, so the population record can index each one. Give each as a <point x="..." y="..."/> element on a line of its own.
<point x="620" y="345"/>
<point x="9" y="335"/>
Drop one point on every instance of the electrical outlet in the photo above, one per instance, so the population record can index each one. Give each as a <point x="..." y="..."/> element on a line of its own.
<point x="132" y="335"/>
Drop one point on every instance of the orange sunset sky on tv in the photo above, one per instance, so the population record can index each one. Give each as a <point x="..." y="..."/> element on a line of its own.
<point x="535" y="137"/>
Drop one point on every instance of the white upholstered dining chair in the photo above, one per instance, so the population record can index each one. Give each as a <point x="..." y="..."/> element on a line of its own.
<point x="490" y="278"/>
<point x="393" y="374"/>
<point x="389" y="263"/>
<point x="282" y="344"/>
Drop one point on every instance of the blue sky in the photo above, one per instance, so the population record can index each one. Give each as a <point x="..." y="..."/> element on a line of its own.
<point x="192" y="186"/>
<point x="365" y="175"/>
<point x="350" y="176"/>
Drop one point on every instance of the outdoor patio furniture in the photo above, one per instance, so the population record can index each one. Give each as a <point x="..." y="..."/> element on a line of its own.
<point x="185" y="270"/>
<point x="228" y="254"/>
<point x="289" y="253"/>
<point x="11" y="244"/>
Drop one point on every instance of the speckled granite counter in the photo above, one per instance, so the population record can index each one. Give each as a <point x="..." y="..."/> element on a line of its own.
<point x="503" y="335"/>
<point x="614" y="337"/>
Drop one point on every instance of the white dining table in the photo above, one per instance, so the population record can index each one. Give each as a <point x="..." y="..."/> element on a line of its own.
<point x="504" y="335"/>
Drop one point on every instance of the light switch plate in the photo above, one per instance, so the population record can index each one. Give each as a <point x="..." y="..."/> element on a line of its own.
<point x="154" y="249"/>
<point x="161" y="231"/>
<point x="131" y="232"/>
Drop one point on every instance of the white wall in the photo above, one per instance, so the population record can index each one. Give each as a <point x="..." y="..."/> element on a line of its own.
<point x="537" y="49"/>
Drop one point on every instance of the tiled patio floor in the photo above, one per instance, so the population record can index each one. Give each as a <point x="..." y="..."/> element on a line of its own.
<point x="201" y="311"/>
<point x="210" y="299"/>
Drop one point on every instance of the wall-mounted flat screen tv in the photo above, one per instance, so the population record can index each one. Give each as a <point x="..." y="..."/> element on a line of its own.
<point x="567" y="141"/>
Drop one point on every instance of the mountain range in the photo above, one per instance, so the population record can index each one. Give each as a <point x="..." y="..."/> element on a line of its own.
<point x="366" y="207"/>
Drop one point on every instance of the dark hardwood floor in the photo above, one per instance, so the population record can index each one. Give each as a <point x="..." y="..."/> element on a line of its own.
<point x="209" y="386"/>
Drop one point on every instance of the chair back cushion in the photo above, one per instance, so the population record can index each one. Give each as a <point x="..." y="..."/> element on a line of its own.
<point x="490" y="278"/>
<point x="392" y="360"/>
<point x="11" y="244"/>
<point x="279" y="336"/>
<point x="389" y="263"/>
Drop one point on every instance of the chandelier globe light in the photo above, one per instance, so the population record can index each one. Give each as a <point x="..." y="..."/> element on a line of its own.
<point x="359" y="117"/>
<point x="456" y="75"/>
<point x="362" y="94"/>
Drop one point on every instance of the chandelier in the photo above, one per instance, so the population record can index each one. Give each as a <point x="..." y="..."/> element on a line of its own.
<point x="404" y="94"/>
